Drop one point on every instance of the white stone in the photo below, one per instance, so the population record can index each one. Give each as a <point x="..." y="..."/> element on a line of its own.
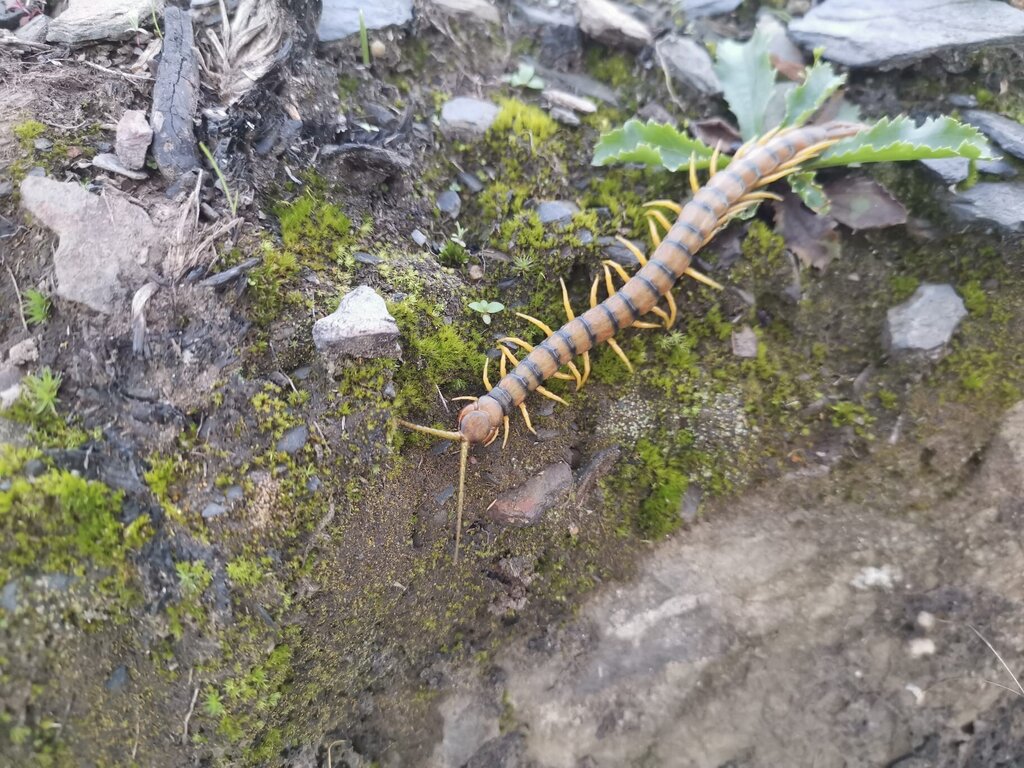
<point x="105" y="243"/>
<point x="870" y="577"/>
<point x="108" y="161"/>
<point x="925" y="620"/>
<point x="361" y="326"/>
<point x="340" y="18"/>
<point x="23" y="352"/>
<point x="479" y="10"/>
<point x="134" y="136"/>
<point x="569" y="101"/>
<point x="611" y="24"/>
<point x="744" y="342"/>
<point x="921" y="646"/>
<point x="87" y="21"/>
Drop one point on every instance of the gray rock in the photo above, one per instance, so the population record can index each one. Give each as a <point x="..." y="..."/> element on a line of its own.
<point x="557" y="35"/>
<point x="9" y="597"/>
<point x="340" y="18"/>
<point x="953" y="170"/>
<point x="35" y="31"/>
<point x="556" y="211"/>
<point x="10" y="389"/>
<point x="695" y="9"/>
<point x="234" y="493"/>
<point x="105" y="243"/>
<point x="992" y="204"/>
<point x="449" y="203"/>
<point x="418" y="237"/>
<point x="744" y="342"/>
<point x="362" y="257"/>
<point x="294" y="440"/>
<point x="118" y="679"/>
<point x="108" y="161"/>
<point x="620" y="254"/>
<point x="6" y="188"/>
<point x="43" y="144"/>
<point x="470" y="182"/>
<point x="949" y="170"/>
<point x="881" y="33"/>
<point x="474" y="10"/>
<point x="689" y="64"/>
<point x="361" y="326"/>
<point x="134" y="135"/>
<point x="1007" y="133"/>
<point x="213" y="510"/>
<point x="87" y="21"/>
<point x="23" y="353"/>
<point x="569" y="101"/>
<point x="467" y="118"/>
<point x="611" y="24"/>
<point x="1004" y="457"/>
<point x="176" y="98"/>
<point x="564" y="116"/>
<point x="526" y="504"/>
<point x="925" y="322"/>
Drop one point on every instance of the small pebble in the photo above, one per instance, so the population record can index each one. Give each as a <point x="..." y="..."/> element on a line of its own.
<point x="476" y="273"/>
<point x="213" y="510"/>
<point x="418" y="237"/>
<point x="43" y="145"/>
<point x="925" y="620"/>
<point x="921" y="646"/>
<point x="378" y="49"/>
<point x="564" y="116"/>
<point x="449" y="203"/>
<point x="469" y="182"/>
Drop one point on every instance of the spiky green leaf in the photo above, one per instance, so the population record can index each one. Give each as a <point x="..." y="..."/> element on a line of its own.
<point x="655" y="144"/>
<point x="807" y="188"/>
<point x="900" y="139"/>
<point x="819" y="83"/>
<point x="747" y="76"/>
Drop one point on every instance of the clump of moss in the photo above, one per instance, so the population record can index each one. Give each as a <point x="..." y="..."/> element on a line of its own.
<point x="28" y="131"/>
<point x="524" y="121"/>
<point x="314" y="228"/>
<point x="659" y="470"/>
<point x="57" y="521"/>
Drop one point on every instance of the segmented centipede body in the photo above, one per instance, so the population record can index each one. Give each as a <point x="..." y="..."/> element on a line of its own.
<point x="728" y="193"/>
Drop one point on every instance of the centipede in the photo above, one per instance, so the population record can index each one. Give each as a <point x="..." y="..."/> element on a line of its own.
<point x="735" y="185"/>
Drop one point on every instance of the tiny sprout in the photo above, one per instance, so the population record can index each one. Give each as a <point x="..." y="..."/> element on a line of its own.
<point x="41" y="392"/>
<point x="486" y="309"/>
<point x="525" y="77"/>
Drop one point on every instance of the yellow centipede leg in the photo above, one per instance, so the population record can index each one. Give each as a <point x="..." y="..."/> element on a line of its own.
<point x="713" y="165"/>
<point x="504" y="423"/>
<point x="654" y="213"/>
<point x="628" y="245"/>
<point x="672" y="205"/>
<point x="551" y="395"/>
<point x="702" y="278"/>
<point x="526" y="417"/>
<point x="653" y="229"/>
<point x="671" y="310"/>
<point x="593" y="291"/>
<point x="655" y="310"/>
<point x="622" y="355"/>
<point x="487" y="382"/>
<point x="694" y="182"/>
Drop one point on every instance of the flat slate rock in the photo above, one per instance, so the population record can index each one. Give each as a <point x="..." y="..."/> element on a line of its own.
<point x="1007" y="133"/>
<point x="526" y="504"/>
<point x="340" y="18"/>
<point x="883" y="33"/>
<point x="467" y="118"/>
<point x="611" y="24"/>
<point x="999" y="205"/>
<point x="689" y="64"/>
<point x="925" y="322"/>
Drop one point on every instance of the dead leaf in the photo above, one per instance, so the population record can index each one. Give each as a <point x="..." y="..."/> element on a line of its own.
<point x="862" y="203"/>
<point x="813" y="238"/>
<point x="714" y="130"/>
<point x="791" y="70"/>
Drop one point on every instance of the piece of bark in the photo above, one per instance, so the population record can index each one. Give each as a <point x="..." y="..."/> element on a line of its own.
<point x="176" y="97"/>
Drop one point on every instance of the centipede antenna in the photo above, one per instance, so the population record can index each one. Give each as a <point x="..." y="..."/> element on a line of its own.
<point x="430" y="430"/>
<point x="463" y="461"/>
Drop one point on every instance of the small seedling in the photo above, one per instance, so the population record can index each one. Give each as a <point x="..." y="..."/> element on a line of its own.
<point x="40" y="392"/>
<point x="231" y="198"/>
<point x="37" y="307"/>
<point x="486" y="309"/>
<point x="525" y="77"/>
<point x="364" y="40"/>
<point x="454" y="253"/>
<point x="522" y="263"/>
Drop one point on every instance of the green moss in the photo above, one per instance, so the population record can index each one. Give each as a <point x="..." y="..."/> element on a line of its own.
<point x="610" y="67"/>
<point x="660" y="470"/>
<point x="267" y="284"/>
<point x="28" y="131"/>
<point x="523" y="121"/>
<point x="438" y="354"/>
<point x="975" y="299"/>
<point x="312" y="228"/>
<point x="246" y="572"/>
<point x="58" y="521"/>
<point x="902" y="287"/>
<point x="162" y="476"/>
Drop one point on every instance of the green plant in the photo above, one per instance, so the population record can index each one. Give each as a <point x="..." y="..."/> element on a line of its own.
<point x="364" y="40"/>
<point x="486" y="309"/>
<point x="453" y="252"/>
<point x="37" y="307"/>
<point x="40" y="392"/>
<point x="232" y="198"/>
<point x="212" y="704"/>
<point x="524" y="77"/>
<point x="193" y="578"/>
<point x="522" y="263"/>
<point x="748" y="84"/>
